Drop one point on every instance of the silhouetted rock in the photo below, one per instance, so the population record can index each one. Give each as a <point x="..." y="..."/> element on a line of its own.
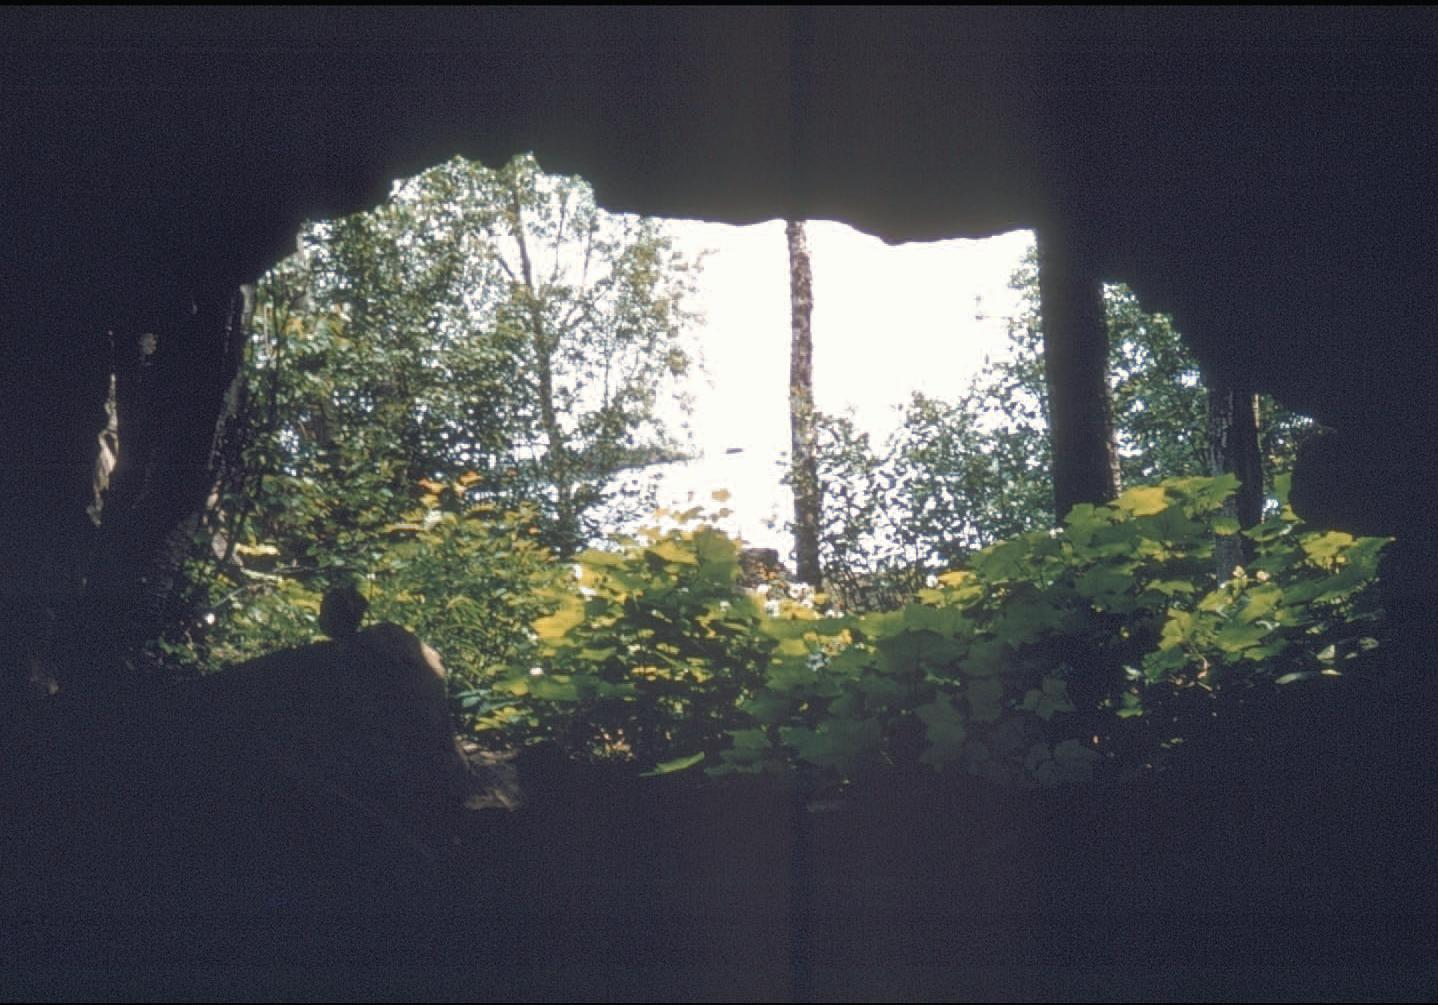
<point x="342" y="611"/>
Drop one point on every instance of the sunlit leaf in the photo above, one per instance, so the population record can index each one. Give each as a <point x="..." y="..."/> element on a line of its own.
<point x="1143" y="500"/>
<point x="678" y="764"/>
<point x="557" y="625"/>
<point x="674" y="551"/>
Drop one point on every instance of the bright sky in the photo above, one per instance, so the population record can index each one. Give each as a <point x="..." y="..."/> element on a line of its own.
<point x="888" y="320"/>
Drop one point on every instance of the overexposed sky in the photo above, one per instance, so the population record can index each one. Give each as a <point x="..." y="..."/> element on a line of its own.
<point x="888" y="320"/>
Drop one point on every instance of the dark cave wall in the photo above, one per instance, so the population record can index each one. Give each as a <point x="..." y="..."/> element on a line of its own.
<point x="1264" y="175"/>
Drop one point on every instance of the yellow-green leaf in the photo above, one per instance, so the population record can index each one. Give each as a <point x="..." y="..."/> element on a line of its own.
<point x="1144" y="500"/>
<point x="678" y="764"/>
<point x="558" y="624"/>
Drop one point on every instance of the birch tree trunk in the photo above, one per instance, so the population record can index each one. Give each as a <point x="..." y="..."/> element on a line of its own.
<point x="804" y="474"/>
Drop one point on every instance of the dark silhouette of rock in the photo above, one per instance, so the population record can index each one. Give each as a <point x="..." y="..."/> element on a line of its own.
<point x="342" y="611"/>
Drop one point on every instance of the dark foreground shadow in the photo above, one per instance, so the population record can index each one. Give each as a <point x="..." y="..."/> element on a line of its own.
<point x="231" y="841"/>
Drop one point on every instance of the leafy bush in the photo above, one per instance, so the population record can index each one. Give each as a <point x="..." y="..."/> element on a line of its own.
<point x="1050" y="655"/>
<point x="1024" y="667"/>
<point x="467" y="579"/>
<point x="648" y="653"/>
<point x="958" y="475"/>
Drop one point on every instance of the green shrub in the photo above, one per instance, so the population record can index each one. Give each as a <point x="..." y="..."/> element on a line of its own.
<point x="1023" y="667"/>
<point x="648" y="654"/>
<point x="467" y="579"/>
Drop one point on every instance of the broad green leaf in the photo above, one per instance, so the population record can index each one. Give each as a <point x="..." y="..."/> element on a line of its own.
<point x="557" y="625"/>
<point x="1103" y="583"/>
<point x="1260" y="602"/>
<point x="1225" y="526"/>
<point x="987" y="657"/>
<point x="945" y="729"/>
<point x="1143" y="500"/>
<point x="1047" y="700"/>
<point x="554" y="687"/>
<point x="674" y="551"/>
<point x="1324" y="547"/>
<point x="793" y="647"/>
<point x="941" y="620"/>
<point x="916" y="651"/>
<point x="1177" y="630"/>
<point x="881" y="689"/>
<point x="1236" y="636"/>
<point x="985" y="698"/>
<point x="836" y="743"/>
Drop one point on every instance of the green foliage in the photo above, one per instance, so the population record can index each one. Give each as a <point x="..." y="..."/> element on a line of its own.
<point x="962" y="475"/>
<point x="648" y="653"/>
<point x="491" y="322"/>
<point x="1032" y="665"/>
<point x="439" y="397"/>
<point x="468" y="579"/>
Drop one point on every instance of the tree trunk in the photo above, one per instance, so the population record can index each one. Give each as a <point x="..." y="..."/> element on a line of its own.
<point x="557" y="448"/>
<point x="1075" y="332"/>
<point x="1233" y="447"/>
<point x="804" y="461"/>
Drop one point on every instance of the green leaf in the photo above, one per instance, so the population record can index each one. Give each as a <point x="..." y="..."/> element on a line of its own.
<point x="985" y="698"/>
<point x="880" y="689"/>
<point x="1104" y="583"/>
<point x="1260" y="602"/>
<point x="1324" y="547"/>
<point x="836" y="743"/>
<point x="940" y="620"/>
<point x="1236" y="636"/>
<point x="678" y="764"/>
<point x="945" y="729"/>
<point x="1047" y="700"/>
<point x="986" y="658"/>
<point x="916" y="651"/>
<point x="557" y="625"/>
<point x="674" y="551"/>
<point x="1143" y="500"/>
<point x="553" y="687"/>
<point x="1225" y="526"/>
<point x="766" y="707"/>
<point x="1177" y="630"/>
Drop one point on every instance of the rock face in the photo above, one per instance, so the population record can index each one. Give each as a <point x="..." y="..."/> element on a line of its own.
<point x="363" y="721"/>
<point x="317" y="790"/>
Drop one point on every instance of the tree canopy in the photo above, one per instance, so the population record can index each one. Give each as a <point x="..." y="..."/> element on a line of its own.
<point x="487" y="321"/>
<point x="487" y="346"/>
<point x="962" y="474"/>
